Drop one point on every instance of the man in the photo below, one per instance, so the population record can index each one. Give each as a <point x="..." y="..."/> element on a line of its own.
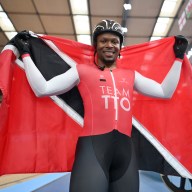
<point x="105" y="158"/>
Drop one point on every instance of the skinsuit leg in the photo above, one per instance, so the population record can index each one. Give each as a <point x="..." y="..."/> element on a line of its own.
<point x="105" y="163"/>
<point x="129" y="181"/>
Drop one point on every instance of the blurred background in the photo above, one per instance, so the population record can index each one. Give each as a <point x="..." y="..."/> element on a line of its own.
<point x="142" y="21"/>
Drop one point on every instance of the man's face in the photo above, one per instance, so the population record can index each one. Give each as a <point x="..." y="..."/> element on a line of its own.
<point x="108" y="48"/>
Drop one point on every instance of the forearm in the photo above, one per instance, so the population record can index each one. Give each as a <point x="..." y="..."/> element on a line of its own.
<point x="55" y="86"/>
<point x="171" y="80"/>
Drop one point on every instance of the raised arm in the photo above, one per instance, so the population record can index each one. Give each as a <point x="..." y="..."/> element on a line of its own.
<point x="165" y="89"/>
<point x="55" y="86"/>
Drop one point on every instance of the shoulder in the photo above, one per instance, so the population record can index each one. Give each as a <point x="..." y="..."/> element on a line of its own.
<point x="87" y="69"/>
<point x="126" y="71"/>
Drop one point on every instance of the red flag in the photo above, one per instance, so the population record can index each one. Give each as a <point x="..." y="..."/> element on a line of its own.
<point x="39" y="135"/>
<point x="35" y="134"/>
<point x="165" y="123"/>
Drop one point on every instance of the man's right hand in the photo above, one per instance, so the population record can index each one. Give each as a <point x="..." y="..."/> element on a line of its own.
<point x="21" y="41"/>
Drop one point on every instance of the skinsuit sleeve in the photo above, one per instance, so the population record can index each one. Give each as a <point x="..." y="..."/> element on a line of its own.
<point x="152" y="88"/>
<point x="165" y="89"/>
<point x="55" y="86"/>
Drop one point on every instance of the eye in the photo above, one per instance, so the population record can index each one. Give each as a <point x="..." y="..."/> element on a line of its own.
<point x="115" y="42"/>
<point x="103" y="41"/>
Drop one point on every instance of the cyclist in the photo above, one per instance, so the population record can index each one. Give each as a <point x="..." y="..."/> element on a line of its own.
<point x="105" y="159"/>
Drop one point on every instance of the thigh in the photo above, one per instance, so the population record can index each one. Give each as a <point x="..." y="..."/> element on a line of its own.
<point x="129" y="182"/>
<point x="87" y="174"/>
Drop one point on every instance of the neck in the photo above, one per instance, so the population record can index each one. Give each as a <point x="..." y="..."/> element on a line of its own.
<point x="102" y="67"/>
<point x="111" y="67"/>
<point x="106" y="65"/>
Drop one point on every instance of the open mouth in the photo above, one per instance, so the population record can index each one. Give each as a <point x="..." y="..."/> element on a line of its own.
<point x="109" y="53"/>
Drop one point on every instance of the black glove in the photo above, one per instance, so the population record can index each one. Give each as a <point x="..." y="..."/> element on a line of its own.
<point x="11" y="42"/>
<point x="21" y="41"/>
<point x="180" y="46"/>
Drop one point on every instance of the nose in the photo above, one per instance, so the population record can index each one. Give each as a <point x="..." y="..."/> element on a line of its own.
<point x="109" y="44"/>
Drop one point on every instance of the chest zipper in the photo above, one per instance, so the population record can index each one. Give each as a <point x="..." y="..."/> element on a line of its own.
<point x="115" y="96"/>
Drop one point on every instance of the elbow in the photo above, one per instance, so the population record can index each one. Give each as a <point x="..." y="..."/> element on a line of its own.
<point x="40" y="91"/>
<point x="168" y="95"/>
<point x="168" y="91"/>
<point x="39" y="94"/>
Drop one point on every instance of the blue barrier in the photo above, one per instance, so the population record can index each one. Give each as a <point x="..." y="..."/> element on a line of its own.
<point x="151" y="182"/>
<point x="59" y="182"/>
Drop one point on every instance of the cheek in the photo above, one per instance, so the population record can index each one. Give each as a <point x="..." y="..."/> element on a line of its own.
<point x="100" y="45"/>
<point x="117" y="49"/>
<point x="98" y="51"/>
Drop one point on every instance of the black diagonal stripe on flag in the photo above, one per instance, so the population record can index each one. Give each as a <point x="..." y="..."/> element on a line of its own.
<point x="50" y="65"/>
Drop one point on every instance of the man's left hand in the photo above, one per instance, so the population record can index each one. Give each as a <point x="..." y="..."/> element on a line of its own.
<point x="180" y="46"/>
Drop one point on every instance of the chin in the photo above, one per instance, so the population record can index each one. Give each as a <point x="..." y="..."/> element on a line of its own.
<point x="109" y="61"/>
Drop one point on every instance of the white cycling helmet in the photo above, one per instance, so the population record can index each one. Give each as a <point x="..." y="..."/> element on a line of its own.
<point x="108" y="26"/>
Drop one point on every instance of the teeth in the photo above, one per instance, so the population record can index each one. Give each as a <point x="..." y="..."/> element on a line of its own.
<point x="108" y="53"/>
